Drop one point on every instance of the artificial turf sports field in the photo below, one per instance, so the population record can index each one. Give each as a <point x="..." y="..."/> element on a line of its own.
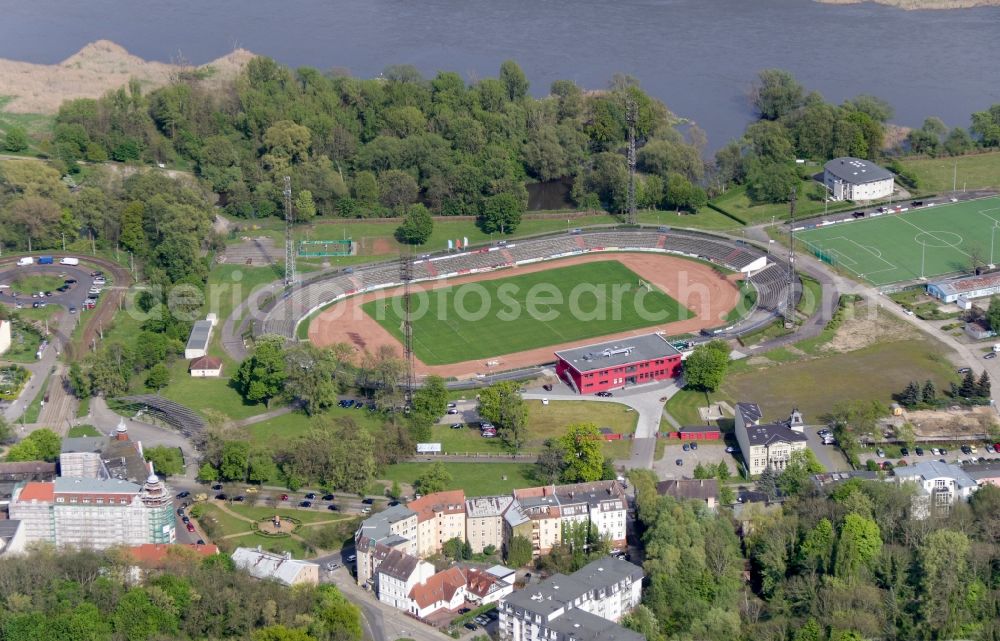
<point x="891" y="248"/>
<point x="442" y="339"/>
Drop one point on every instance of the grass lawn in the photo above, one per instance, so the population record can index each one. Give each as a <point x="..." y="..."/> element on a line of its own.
<point x="228" y="523"/>
<point x="748" y="297"/>
<point x="202" y="394"/>
<point x="544" y="422"/>
<point x="35" y="283"/>
<point x="477" y="479"/>
<point x="976" y="171"/>
<point x="736" y="202"/>
<point x="815" y="386"/>
<point x="229" y="285"/>
<point x="39" y="314"/>
<point x="282" y="544"/>
<point x="928" y="241"/>
<point x="684" y="405"/>
<point x="23" y="345"/>
<point x="296" y="423"/>
<point x="812" y="295"/>
<point x="259" y="512"/>
<point x="82" y="407"/>
<point x="489" y="318"/>
<point x="83" y="430"/>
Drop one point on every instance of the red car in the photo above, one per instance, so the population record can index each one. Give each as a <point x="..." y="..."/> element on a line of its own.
<point x="190" y="527"/>
<point x="284" y="497"/>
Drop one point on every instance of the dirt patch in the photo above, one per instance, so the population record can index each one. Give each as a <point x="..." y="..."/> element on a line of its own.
<point x="949" y="424"/>
<point x="698" y="287"/>
<point x="865" y="326"/>
<point x="97" y="68"/>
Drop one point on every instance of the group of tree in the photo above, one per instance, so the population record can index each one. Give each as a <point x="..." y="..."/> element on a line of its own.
<point x="579" y="544"/>
<point x="376" y="147"/>
<point x="915" y="394"/>
<point x="40" y="445"/>
<point x="851" y="561"/>
<point x="971" y="389"/>
<point x="502" y="405"/>
<point x="93" y="596"/>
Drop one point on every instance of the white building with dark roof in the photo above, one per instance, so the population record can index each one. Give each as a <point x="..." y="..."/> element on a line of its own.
<point x="381" y="533"/>
<point x="856" y="179"/>
<point x="396" y="576"/>
<point x="584" y="606"/>
<point x="768" y="445"/>
<point x="939" y="486"/>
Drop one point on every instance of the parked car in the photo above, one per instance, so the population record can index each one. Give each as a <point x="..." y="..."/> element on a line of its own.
<point x="351" y="558"/>
<point x="694" y="446"/>
<point x="331" y="566"/>
<point x="332" y="507"/>
<point x="990" y="355"/>
<point x="368" y="501"/>
<point x="239" y="499"/>
<point x="217" y="486"/>
<point x="880" y="453"/>
<point x="306" y="504"/>
<point x="604" y="394"/>
<point x="471" y="626"/>
<point x="452" y="405"/>
<point x="311" y="496"/>
<point x="328" y="497"/>
<point x="686" y="447"/>
<point x="456" y="426"/>
<point x="200" y="542"/>
<point x="679" y="461"/>
<point x="220" y="496"/>
<point x="190" y="527"/>
<point x="919" y="451"/>
<point x="186" y="519"/>
<point x="730" y="449"/>
<point x="453" y="411"/>
<point x="284" y="497"/>
<point x="180" y="511"/>
<point x="904" y="451"/>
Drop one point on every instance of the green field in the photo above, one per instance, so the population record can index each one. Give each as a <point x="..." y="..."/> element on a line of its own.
<point x="925" y="242"/>
<point x="974" y="171"/>
<point x="477" y="479"/>
<point x="490" y="318"/>
<point x="35" y="283"/>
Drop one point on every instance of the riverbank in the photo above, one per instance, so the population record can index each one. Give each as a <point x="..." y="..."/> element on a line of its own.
<point x="96" y="69"/>
<point x="918" y="5"/>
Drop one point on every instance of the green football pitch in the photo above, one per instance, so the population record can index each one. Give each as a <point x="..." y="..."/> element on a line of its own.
<point x="488" y="318"/>
<point x="923" y="242"/>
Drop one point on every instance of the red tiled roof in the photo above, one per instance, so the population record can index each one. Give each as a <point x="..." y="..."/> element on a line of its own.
<point x="480" y="582"/>
<point x="37" y="491"/>
<point x="440" y="587"/>
<point x="154" y="554"/>
<point x="206" y="362"/>
<point x="451" y="502"/>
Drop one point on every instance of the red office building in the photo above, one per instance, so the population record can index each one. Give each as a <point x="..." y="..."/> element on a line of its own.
<point x="619" y="363"/>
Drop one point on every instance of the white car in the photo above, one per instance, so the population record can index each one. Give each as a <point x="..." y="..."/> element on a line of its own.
<point x="545" y="401"/>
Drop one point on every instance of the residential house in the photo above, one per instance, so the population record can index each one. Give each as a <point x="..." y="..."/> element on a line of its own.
<point x="443" y="591"/>
<point x="584" y="606"/>
<point x="485" y="586"/>
<point x="769" y="445"/>
<point x="484" y="521"/>
<point x="704" y="490"/>
<point x="440" y="518"/>
<point x="984" y="473"/>
<point x="396" y="576"/>
<point x="276" y="567"/>
<point x="939" y="486"/>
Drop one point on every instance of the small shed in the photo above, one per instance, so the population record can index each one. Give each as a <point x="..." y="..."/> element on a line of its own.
<point x="699" y="433"/>
<point x="206" y="367"/>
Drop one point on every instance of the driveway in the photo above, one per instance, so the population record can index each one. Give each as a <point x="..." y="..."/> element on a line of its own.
<point x="829" y="456"/>
<point x="647" y="400"/>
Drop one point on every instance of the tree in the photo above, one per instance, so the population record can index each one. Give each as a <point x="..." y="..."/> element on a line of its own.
<point x="235" y="460"/>
<point x="429" y="402"/>
<point x="281" y="633"/>
<point x="417" y="226"/>
<point x="795" y="478"/>
<point x="208" y="473"/>
<point x="706" y="367"/>
<point x="986" y="126"/>
<point x="816" y="550"/>
<point x="514" y="80"/>
<point x="910" y="395"/>
<point x="943" y="580"/>
<point x="770" y="182"/>
<point x="501" y="213"/>
<point x="993" y="314"/>
<point x="929" y="394"/>
<point x="336" y="618"/>
<point x="583" y="457"/>
<point x="776" y="93"/>
<point x="41" y="445"/>
<point x="166" y="461"/>
<point x="519" y="552"/>
<point x="968" y="388"/>
<point x="397" y="189"/>
<point x="767" y="483"/>
<point x="79" y="381"/>
<point x="261" y="376"/>
<point x="859" y="545"/>
<point x="305" y="207"/>
<point x="435" y="479"/>
<point x="550" y="462"/>
<point x="502" y="405"/>
<point x="452" y="548"/>
<point x="158" y="377"/>
<point x="132" y="237"/>
<point x="983" y="385"/>
<point x="315" y="375"/>
<point x="16" y="140"/>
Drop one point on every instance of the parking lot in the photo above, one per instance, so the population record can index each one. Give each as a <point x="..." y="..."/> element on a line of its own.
<point x="706" y="453"/>
<point x="74" y="296"/>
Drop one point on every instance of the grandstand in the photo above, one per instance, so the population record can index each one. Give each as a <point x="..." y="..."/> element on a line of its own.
<point x="284" y="315"/>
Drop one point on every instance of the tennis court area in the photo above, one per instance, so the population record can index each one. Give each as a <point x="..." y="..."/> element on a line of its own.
<point x="923" y="242"/>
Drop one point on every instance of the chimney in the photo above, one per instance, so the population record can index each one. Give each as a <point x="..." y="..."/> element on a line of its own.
<point x="121" y="433"/>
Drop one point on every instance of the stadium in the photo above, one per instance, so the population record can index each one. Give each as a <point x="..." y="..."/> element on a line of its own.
<point x="688" y="279"/>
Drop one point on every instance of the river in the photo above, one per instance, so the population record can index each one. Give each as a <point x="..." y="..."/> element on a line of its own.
<point x="698" y="56"/>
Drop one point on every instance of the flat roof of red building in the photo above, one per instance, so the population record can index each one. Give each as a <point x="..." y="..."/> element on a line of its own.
<point x="621" y="351"/>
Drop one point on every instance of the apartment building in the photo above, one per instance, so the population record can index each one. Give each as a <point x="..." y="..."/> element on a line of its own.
<point x="601" y="503"/>
<point x="939" y="486"/>
<point x="394" y="528"/>
<point x="397" y="575"/>
<point x="484" y="521"/>
<point x="584" y="606"/>
<point x="102" y="457"/>
<point x="440" y="518"/>
<point x="538" y="518"/>
<point x="95" y="513"/>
